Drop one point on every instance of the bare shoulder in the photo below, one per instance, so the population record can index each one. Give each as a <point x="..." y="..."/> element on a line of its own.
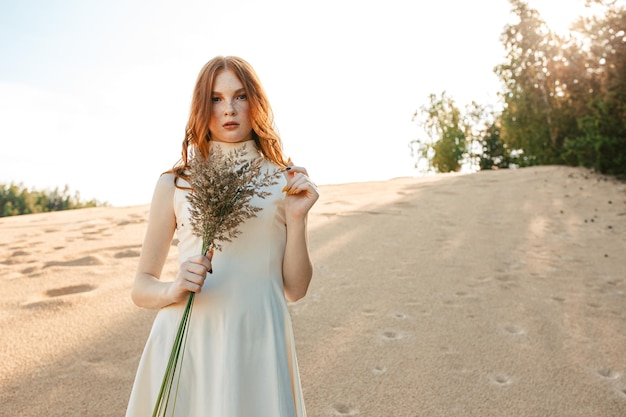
<point x="162" y="200"/>
<point x="167" y="180"/>
<point x="166" y="184"/>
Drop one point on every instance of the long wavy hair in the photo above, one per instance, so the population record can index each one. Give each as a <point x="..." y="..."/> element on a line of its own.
<point x="197" y="134"/>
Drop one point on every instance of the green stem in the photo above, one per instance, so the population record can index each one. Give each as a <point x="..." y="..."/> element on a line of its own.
<point x="160" y="408"/>
<point x="177" y="354"/>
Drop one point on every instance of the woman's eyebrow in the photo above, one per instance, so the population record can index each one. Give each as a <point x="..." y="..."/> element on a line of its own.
<point x="217" y="93"/>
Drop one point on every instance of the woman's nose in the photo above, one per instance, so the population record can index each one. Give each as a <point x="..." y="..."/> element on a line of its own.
<point x="229" y="109"/>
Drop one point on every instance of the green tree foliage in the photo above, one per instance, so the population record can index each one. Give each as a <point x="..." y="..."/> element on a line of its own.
<point x="565" y="97"/>
<point x="494" y="153"/>
<point x="529" y="118"/>
<point x="488" y="151"/>
<point x="16" y="200"/>
<point x="602" y="140"/>
<point x="458" y="137"/>
<point x="563" y="100"/>
<point x="445" y="146"/>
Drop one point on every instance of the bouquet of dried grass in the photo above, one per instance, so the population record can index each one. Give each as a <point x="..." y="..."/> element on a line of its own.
<point x="222" y="187"/>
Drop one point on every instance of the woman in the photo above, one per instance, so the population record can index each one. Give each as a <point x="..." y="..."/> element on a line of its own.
<point x="240" y="357"/>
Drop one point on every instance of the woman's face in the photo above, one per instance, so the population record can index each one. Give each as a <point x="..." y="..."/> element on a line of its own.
<point x="230" y="115"/>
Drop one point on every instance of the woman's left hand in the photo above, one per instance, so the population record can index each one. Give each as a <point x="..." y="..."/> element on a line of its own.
<point x="301" y="192"/>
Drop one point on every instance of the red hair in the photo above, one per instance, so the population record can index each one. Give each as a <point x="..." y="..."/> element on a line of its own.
<point x="197" y="133"/>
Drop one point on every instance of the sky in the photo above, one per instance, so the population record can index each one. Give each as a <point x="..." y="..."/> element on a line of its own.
<point x="95" y="95"/>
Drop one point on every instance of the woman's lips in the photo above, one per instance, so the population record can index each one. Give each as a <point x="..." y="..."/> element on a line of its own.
<point x="230" y="125"/>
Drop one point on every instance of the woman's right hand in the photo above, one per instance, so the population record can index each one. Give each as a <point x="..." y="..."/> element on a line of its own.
<point x="190" y="278"/>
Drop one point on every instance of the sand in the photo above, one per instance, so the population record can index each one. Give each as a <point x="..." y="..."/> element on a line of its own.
<point x="498" y="293"/>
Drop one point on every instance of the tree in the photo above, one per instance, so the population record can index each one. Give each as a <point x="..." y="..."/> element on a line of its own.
<point x="445" y="146"/>
<point x="563" y="100"/>
<point x="16" y="199"/>
<point x="530" y="118"/>
<point x="495" y="153"/>
<point x="565" y="97"/>
<point x="602" y="142"/>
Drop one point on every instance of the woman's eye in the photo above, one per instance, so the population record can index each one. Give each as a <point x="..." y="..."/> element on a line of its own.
<point x="215" y="99"/>
<point x="242" y="97"/>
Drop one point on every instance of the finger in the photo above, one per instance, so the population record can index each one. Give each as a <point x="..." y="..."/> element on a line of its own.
<point x="200" y="265"/>
<point x="196" y="269"/>
<point x="189" y="281"/>
<point x="292" y="169"/>
<point x="293" y="183"/>
<point x="209" y="257"/>
<point x="205" y="260"/>
<point x="193" y="286"/>
<point x="299" y="181"/>
<point x="302" y="183"/>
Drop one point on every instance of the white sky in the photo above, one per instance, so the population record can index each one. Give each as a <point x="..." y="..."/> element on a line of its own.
<point x="95" y="94"/>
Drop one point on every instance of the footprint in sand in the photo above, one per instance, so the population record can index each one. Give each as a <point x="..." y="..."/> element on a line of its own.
<point x="505" y="278"/>
<point x="53" y="301"/>
<point x="72" y="289"/>
<point x="96" y="232"/>
<point x="84" y="261"/>
<point x="44" y="304"/>
<point x="608" y="373"/>
<point x="134" y="219"/>
<point x="129" y="253"/>
<point x="514" y="330"/>
<point x="501" y="379"/>
<point x="344" y="410"/>
<point x="452" y="303"/>
<point x="16" y="257"/>
<point x="392" y="335"/>
<point x="29" y="270"/>
<point x="479" y="280"/>
<point x="379" y="370"/>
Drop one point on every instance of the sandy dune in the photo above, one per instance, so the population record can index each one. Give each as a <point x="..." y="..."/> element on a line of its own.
<point x="493" y="294"/>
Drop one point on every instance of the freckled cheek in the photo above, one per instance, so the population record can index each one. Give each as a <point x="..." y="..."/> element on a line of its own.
<point x="243" y="109"/>
<point x="216" y="110"/>
<point x="240" y="107"/>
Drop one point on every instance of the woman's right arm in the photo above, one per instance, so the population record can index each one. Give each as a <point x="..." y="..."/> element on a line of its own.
<point x="148" y="290"/>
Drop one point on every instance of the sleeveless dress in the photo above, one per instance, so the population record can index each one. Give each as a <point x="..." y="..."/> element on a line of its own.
<point x="240" y="358"/>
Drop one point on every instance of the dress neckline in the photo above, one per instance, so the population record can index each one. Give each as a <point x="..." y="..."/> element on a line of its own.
<point x="251" y="151"/>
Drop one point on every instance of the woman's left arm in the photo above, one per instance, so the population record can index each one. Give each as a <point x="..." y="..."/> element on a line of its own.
<point x="297" y="266"/>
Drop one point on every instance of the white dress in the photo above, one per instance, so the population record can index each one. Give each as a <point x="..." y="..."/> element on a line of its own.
<point x="240" y="358"/>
